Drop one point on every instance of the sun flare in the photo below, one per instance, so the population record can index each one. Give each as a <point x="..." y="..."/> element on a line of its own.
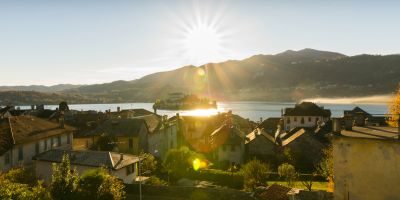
<point x="202" y="42"/>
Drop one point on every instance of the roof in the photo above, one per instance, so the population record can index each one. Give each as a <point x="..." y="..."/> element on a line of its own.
<point x="293" y="137"/>
<point x="226" y="134"/>
<point x="307" y="109"/>
<point x="117" y="127"/>
<point x="153" y="121"/>
<point x="270" y="125"/>
<point x="376" y="132"/>
<point x="23" y="129"/>
<point x="258" y="132"/>
<point x="275" y="192"/>
<point x="111" y="160"/>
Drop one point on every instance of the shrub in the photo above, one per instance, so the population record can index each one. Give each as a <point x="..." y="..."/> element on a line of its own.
<point x="255" y="174"/>
<point x="64" y="180"/>
<point x="154" y="180"/>
<point x="288" y="172"/>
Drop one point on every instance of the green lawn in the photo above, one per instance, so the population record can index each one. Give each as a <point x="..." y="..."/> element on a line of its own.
<point x="297" y="184"/>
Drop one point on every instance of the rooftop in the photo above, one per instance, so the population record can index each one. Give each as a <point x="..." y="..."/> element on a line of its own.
<point x="375" y="132"/>
<point x="111" y="160"/>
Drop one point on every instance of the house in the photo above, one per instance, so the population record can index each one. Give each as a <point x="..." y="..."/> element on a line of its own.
<point x="23" y="137"/>
<point x="228" y="145"/>
<point x="123" y="166"/>
<point x="306" y="150"/>
<point x="360" y="117"/>
<point x="366" y="163"/>
<point x="163" y="135"/>
<point x="305" y="114"/>
<point x="127" y="135"/>
<point x="261" y="145"/>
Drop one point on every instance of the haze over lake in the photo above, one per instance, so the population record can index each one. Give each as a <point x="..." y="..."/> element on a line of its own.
<point x="252" y="110"/>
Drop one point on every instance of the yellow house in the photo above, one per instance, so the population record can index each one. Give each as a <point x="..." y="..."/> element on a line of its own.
<point x="366" y="163"/>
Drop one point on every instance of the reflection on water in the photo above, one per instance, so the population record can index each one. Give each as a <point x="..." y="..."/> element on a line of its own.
<point x="252" y="110"/>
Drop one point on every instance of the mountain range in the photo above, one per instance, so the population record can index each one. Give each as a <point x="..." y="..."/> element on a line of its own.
<point x="287" y="76"/>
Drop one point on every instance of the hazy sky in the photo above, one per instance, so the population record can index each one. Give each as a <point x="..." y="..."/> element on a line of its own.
<point x="95" y="41"/>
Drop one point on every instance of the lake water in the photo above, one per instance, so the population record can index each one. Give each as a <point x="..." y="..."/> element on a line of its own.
<point x="252" y="110"/>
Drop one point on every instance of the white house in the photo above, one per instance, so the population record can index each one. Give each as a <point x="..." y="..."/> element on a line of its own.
<point x="305" y="114"/>
<point x="23" y="137"/>
<point x="123" y="166"/>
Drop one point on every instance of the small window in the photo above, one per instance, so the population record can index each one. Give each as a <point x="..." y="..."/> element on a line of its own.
<point x="233" y="147"/>
<point x="7" y="159"/>
<point x="130" y="169"/>
<point x="302" y="120"/>
<point x="37" y="149"/>
<point x="68" y="139"/>
<point x="58" y="140"/>
<point x="309" y="119"/>
<point x="288" y="120"/>
<point x="295" y="119"/>
<point x="45" y="144"/>
<point x="20" y="153"/>
<point x="51" y="143"/>
<point x="131" y="143"/>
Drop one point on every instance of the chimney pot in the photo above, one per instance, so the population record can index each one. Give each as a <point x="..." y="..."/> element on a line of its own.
<point x="121" y="156"/>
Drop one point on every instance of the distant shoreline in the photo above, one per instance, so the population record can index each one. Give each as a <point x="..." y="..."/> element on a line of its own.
<point x="375" y="99"/>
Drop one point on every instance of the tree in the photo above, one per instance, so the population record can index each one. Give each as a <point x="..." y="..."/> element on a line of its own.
<point x="394" y="110"/>
<point x="325" y="167"/>
<point x="288" y="172"/>
<point x="255" y="174"/>
<point x="97" y="184"/>
<point x="149" y="164"/>
<point x="104" y="143"/>
<point x="178" y="161"/>
<point x="64" y="180"/>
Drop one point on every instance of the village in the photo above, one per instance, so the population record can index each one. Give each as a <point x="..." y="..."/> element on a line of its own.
<point x="306" y="153"/>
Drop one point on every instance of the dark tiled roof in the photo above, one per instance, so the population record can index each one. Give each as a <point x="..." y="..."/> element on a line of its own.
<point x="141" y="112"/>
<point x="117" y="127"/>
<point x="226" y="134"/>
<point x="376" y="132"/>
<point x="259" y="133"/>
<point x="153" y="121"/>
<point x="307" y="109"/>
<point x="111" y="160"/>
<point x="270" y="125"/>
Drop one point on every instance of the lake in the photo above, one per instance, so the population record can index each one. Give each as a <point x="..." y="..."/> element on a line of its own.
<point x="252" y="110"/>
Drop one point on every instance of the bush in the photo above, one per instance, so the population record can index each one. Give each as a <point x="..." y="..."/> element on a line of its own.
<point x="288" y="172"/>
<point x="223" y="178"/>
<point x="178" y="162"/>
<point x="154" y="180"/>
<point x="255" y="174"/>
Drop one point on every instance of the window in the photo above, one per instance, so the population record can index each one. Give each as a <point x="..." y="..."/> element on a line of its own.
<point x="295" y="119"/>
<point x="45" y="144"/>
<point x="20" y="153"/>
<point x="288" y="120"/>
<point x="37" y="149"/>
<point x="7" y="159"/>
<point x="309" y="119"/>
<point x="51" y="143"/>
<point x="302" y="120"/>
<point x="68" y="139"/>
<point x="131" y="143"/>
<point x="59" y="140"/>
<point x="233" y="147"/>
<point x="130" y="169"/>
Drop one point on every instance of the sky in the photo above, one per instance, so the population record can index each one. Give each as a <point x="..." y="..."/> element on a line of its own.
<point x="96" y="41"/>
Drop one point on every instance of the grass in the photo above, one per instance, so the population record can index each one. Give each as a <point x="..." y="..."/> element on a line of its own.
<point x="298" y="184"/>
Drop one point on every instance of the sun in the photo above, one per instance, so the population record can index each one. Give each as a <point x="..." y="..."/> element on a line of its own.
<point x="202" y="42"/>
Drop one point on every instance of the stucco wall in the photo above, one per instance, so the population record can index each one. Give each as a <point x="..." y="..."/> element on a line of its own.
<point x="44" y="171"/>
<point x="307" y="122"/>
<point x="366" y="169"/>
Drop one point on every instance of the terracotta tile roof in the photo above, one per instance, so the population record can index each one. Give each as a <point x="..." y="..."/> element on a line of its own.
<point x="22" y="129"/>
<point x="111" y="160"/>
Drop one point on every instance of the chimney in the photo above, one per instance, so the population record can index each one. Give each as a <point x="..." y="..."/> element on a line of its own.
<point x="118" y="109"/>
<point x="121" y="156"/>
<point x="261" y="120"/>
